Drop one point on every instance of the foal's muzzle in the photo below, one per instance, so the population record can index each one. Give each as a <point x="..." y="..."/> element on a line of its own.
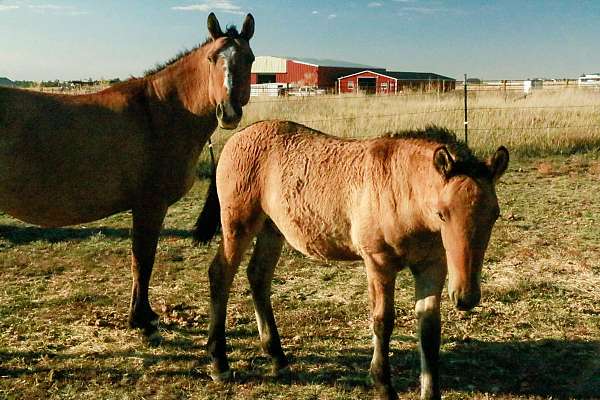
<point x="228" y="115"/>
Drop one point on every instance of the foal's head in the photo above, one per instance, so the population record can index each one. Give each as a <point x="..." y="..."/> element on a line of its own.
<point x="231" y="61"/>
<point x="467" y="210"/>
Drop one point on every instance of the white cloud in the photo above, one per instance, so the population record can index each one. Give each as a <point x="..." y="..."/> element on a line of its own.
<point x="431" y="10"/>
<point x="374" y="4"/>
<point x="315" y="12"/>
<point x="226" y="6"/>
<point x="7" y="8"/>
<point x="49" y="7"/>
<point x="56" y="9"/>
<point x="332" y="16"/>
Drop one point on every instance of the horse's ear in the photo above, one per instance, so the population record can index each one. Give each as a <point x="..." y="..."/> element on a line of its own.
<point x="443" y="161"/>
<point x="248" y="28"/>
<point x="213" y="26"/>
<point x="498" y="163"/>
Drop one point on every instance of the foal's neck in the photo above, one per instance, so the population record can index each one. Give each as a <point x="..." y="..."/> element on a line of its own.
<point x="423" y="180"/>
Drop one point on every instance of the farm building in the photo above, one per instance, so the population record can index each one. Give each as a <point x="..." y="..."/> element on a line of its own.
<point x="532" y="84"/>
<point x="592" y="80"/>
<point x="6" y="82"/>
<point x="298" y="72"/>
<point x="385" y="82"/>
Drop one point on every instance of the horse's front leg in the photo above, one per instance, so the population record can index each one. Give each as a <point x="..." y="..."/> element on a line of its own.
<point x="429" y="283"/>
<point x="147" y="223"/>
<point x="381" y="281"/>
<point x="221" y="273"/>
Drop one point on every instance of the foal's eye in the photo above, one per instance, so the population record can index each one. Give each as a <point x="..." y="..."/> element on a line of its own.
<point x="439" y="213"/>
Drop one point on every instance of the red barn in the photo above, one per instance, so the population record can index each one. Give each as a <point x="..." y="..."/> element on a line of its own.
<point x="385" y="82"/>
<point x="295" y="72"/>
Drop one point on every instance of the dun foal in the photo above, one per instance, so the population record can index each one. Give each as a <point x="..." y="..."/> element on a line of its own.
<point x="67" y="160"/>
<point x="420" y="200"/>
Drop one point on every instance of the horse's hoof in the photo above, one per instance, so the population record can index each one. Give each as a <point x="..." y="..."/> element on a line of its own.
<point x="154" y="338"/>
<point x="222" y="376"/>
<point x="148" y="325"/>
<point x="386" y="393"/>
<point x="278" y="371"/>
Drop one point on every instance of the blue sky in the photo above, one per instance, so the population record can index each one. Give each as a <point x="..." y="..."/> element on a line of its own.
<point x="78" y="39"/>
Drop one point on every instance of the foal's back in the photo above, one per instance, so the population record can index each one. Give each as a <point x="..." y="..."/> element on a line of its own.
<point x="308" y="183"/>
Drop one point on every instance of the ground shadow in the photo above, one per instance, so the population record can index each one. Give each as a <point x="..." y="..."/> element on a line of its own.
<point x="561" y="369"/>
<point x="18" y="235"/>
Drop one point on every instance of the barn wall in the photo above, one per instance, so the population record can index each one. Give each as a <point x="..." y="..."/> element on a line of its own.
<point x="301" y="74"/>
<point x="384" y="84"/>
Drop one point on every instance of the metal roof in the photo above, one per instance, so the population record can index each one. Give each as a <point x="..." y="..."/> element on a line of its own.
<point x="6" y="82"/>
<point x="406" y="76"/>
<point x="417" y="76"/>
<point x="331" y="63"/>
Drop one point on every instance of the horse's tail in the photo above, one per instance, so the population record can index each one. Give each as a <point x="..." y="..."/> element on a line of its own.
<point x="209" y="220"/>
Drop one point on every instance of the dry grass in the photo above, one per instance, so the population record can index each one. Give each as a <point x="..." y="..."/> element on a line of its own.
<point x="546" y="122"/>
<point x="64" y="295"/>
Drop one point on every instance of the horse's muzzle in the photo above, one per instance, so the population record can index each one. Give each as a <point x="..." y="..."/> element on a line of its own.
<point x="228" y="115"/>
<point x="465" y="301"/>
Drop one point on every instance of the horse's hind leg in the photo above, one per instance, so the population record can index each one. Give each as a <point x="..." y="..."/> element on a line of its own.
<point x="260" y="274"/>
<point x="147" y="223"/>
<point x="236" y="239"/>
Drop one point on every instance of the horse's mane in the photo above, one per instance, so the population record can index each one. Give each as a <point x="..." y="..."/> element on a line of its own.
<point x="466" y="163"/>
<point x="231" y="33"/>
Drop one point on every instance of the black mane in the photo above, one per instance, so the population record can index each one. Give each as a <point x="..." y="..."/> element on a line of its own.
<point x="466" y="163"/>
<point x="231" y="33"/>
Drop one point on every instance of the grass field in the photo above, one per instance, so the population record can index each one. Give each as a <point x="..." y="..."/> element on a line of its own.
<point x="64" y="293"/>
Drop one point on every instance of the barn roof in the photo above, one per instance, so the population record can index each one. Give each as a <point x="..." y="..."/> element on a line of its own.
<point x="417" y="76"/>
<point x="6" y="82"/>
<point x="405" y="76"/>
<point x="331" y="63"/>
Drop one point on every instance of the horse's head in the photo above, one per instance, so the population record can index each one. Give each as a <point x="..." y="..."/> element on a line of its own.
<point x="467" y="209"/>
<point x="230" y="59"/>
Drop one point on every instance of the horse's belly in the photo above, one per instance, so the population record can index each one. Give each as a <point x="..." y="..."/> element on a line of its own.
<point x="319" y="244"/>
<point x="61" y="200"/>
<point x="54" y="212"/>
<point x="66" y="183"/>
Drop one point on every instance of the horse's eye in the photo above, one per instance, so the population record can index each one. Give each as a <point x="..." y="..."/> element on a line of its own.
<point x="439" y="213"/>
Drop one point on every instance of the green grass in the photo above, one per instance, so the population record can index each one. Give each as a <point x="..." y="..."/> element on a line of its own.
<point x="64" y="295"/>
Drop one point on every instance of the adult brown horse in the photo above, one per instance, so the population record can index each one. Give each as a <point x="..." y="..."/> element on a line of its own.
<point x="420" y="200"/>
<point x="71" y="159"/>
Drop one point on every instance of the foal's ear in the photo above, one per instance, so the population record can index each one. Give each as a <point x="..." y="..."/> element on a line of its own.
<point x="443" y="161"/>
<point x="498" y="163"/>
<point x="213" y="26"/>
<point x="248" y="28"/>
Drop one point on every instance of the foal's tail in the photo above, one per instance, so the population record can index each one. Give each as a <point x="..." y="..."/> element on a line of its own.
<point x="209" y="220"/>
